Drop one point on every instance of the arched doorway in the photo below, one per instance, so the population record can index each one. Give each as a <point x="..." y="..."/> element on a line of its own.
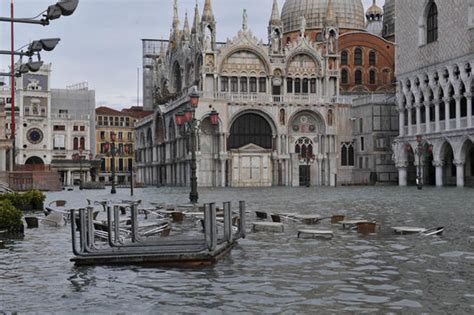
<point x="34" y="160"/>
<point x="449" y="168"/>
<point x="411" y="168"/>
<point x="250" y="144"/>
<point x="467" y="155"/>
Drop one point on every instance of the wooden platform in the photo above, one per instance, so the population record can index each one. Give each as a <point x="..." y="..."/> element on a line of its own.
<point x="407" y="230"/>
<point x="174" y="254"/>
<point x="268" y="227"/>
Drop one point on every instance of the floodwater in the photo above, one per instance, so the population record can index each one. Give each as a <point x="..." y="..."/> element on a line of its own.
<point x="269" y="273"/>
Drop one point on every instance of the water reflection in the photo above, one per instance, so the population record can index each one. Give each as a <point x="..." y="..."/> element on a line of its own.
<point x="269" y="273"/>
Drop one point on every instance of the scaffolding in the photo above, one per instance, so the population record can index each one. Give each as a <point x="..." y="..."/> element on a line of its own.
<point x="151" y="51"/>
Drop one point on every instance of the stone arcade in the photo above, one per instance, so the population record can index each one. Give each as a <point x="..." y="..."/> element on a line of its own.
<point x="435" y="91"/>
<point x="276" y="101"/>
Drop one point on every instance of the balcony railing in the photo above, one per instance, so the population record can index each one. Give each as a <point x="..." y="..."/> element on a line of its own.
<point x="442" y="126"/>
<point x="263" y="98"/>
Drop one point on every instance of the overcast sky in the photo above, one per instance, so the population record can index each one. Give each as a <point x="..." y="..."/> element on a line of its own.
<point x="101" y="42"/>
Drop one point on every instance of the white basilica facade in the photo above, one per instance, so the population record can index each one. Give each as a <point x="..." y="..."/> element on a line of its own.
<point x="277" y="102"/>
<point x="435" y="91"/>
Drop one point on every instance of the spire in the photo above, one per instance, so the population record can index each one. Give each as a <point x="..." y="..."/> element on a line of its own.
<point x="275" y="18"/>
<point x="186" y="25"/>
<point x="330" y="13"/>
<point x="175" y="16"/>
<point x="207" y="15"/>
<point x="196" y="19"/>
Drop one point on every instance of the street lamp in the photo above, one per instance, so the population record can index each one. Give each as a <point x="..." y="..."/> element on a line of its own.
<point x="306" y="156"/>
<point x="110" y="149"/>
<point x="423" y="150"/>
<point x="189" y="127"/>
<point x="53" y="12"/>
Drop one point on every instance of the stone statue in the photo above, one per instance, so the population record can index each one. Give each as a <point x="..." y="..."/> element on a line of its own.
<point x="244" y="20"/>
<point x="303" y="26"/>
<point x="275" y="42"/>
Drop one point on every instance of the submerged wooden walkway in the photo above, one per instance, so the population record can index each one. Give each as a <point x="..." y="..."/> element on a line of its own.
<point x="202" y="250"/>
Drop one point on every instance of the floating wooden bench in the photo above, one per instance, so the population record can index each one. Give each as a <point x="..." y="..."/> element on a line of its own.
<point x="317" y="233"/>
<point x="416" y="230"/>
<point x="268" y="227"/>
<point x="261" y="215"/>
<point x="351" y="223"/>
<point x="308" y="218"/>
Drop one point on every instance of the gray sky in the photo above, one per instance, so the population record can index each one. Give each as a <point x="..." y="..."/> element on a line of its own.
<point x="101" y="44"/>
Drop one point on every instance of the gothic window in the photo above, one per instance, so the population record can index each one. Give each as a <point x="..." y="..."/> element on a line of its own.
<point x="225" y="84"/>
<point x="358" y="77"/>
<point x="344" y="76"/>
<point x="250" y="128"/>
<point x="76" y="144"/>
<point x="262" y="85"/>
<point x="304" y="147"/>
<point x="372" y="58"/>
<point x="177" y="78"/>
<point x="372" y="77"/>
<point x="243" y="85"/>
<point x="344" y="58"/>
<point x="234" y="85"/>
<point x="313" y="86"/>
<point x="347" y="154"/>
<point x="358" y="57"/>
<point x="289" y="85"/>
<point x="253" y="85"/>
<point x="305" y="86"/>
<point x="297" y="86"/>
<point x="432" y="23"/>
<point x="82" y="143"/>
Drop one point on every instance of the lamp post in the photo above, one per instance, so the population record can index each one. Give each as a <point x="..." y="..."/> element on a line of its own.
<point x="129" y="151"/>
<point x="423" y="150"/>
<point x="308" y="158"/>
<point x="189" y="126"/>
<point x="111" y="151"/>
<point x="80" y="167"/>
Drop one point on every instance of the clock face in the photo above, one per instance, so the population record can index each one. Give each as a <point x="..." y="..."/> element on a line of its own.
<point x="34" y="136"/>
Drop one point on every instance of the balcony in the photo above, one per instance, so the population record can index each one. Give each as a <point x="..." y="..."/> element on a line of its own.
<point x="442" y="126"/>
<point x="262" y="98"/>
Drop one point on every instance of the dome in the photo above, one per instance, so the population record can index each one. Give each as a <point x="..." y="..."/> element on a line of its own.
<point x="348" y="13"/>
<point x="374" y="12"/>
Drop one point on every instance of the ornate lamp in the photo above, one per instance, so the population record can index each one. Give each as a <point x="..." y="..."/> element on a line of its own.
<point x="188" y="115"/>
<point x="194" y="96"/>
<point x="179" y="118"/>
<point x="214" y="116"/>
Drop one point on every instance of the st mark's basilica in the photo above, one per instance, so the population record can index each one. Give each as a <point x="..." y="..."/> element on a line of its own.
<point x="312" y="104"/>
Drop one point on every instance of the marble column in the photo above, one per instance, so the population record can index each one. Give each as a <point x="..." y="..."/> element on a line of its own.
<point x="427" y="117"/>
<point x="437" y="117"/>
<point x="410" y="127"/>
<point x="469" y="110"/>
<point x="459" y="173"/>
<point x="418" y="118"/>
<point x="439" y="173"/>
<point x="401" y="121"/>
<point x="447" y="115"/>
<point x="3" y="159"/>
<point x="458" y="111"/>
<point x="402" y="174"/>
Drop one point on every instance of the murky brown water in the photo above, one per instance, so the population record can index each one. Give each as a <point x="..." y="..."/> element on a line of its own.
<point x="269" y="273"/>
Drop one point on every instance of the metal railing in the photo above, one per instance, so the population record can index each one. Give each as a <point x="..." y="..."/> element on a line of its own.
<point x="265" y="98"/>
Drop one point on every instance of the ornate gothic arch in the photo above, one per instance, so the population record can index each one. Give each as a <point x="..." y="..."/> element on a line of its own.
<point x="251" y="49"/>
<point x="267" y="116"/>
<point x="317" y="116"/>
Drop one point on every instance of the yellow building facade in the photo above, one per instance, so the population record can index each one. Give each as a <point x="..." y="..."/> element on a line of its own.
<point x="115" y="139"/>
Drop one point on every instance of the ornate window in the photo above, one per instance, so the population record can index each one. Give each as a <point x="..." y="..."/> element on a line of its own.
<point x="372" y="58"/>
<point x="358" y="77"/>
<point x="243" y="85"/>
<point x="225" y="84"/>
<point x="234" y="85"/>
<point x="344" y="58"/>
<point x="297" y="86"/>
<point x="305" y="86"/>
<point x="372" y="77"/>
<point x="289" y="85"/>
<point x="432" y="23"/>
<point x="262" y="85"/>
<point x="304" y="146"/>
<point x="82" y="143"/>
<point x="358" y="57"/>
<point x="344" y="76"/>
<point x="347" y="154"/>
<point x="313" y="86"/>
<point x="253" y="85"/>
<point x="76" y="144"/>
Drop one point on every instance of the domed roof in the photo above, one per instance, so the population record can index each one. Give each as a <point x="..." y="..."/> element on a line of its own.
<point x="348" y="13"/>
<point x="374" y="10"/>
